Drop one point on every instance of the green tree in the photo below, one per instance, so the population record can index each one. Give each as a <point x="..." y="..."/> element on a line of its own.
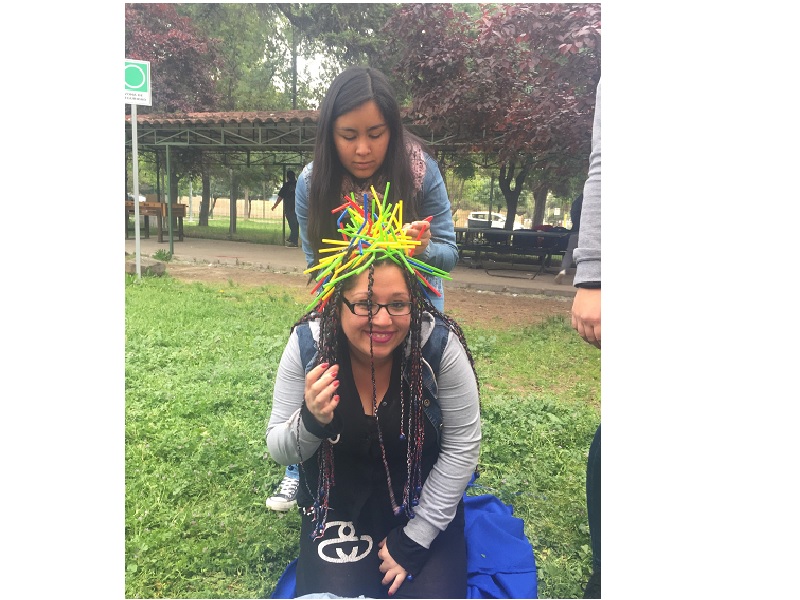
<point x="182" y="60"/>
<point x="183" y="63"/>
<point x="252" y="45"/>
<point x="519" y="80"/>
<point x="343" y="34"/>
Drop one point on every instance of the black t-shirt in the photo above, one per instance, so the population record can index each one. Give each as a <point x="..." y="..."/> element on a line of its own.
<point x="575" y="213"/>
<point x="359" y="471"/>
<point x="287" y="193"/>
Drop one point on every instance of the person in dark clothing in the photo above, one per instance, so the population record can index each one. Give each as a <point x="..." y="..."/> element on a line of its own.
<point x="575" y="215"/>
<point x="286" y="194"/>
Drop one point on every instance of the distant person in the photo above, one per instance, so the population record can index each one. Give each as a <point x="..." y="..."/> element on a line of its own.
<point x="586" y="321"/>
<point x="575" y="216"/>
<point x="286" y="194"/>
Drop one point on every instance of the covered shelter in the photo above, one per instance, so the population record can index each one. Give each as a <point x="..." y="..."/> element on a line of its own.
<point x="263" y="131"/>
<point x="264" y="137"/>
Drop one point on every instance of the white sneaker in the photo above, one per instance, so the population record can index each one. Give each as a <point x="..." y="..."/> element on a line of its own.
<point x="286" y="496"/>
<point x="560" y="277"/>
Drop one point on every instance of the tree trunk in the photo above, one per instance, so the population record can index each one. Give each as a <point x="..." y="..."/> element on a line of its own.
<point x="456" y="192"/>
<point x="512" y="195"/>
<point x="234" y="194"/>
<point x="539" y="203"/>
<point x="173" y="186"/>
<point x="205" y="202"/>
<point x="158" y="176"/>
<point x="173" y="197"/>
<point x="294" y="64"/>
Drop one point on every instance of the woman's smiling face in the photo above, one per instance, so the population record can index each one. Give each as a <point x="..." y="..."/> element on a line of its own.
<point x="361" y="137"/>
<point x="388" y="332"/>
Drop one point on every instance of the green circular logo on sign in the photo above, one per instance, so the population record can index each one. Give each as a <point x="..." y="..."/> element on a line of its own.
<point x="135" y="78"/>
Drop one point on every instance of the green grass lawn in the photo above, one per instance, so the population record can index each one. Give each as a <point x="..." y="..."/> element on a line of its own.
<point x="200" y="363"/>
<point x="257" y="231"/>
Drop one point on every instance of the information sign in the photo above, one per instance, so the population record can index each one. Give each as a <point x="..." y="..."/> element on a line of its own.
<point x="137" y="82"/>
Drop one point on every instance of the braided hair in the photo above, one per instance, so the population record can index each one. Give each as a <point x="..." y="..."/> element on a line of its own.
<point x="412" y="425"/>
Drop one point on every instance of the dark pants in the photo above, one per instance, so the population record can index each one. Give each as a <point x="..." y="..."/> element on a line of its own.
<point x="291" y="218"/>
<point x="572" y="243"/>
<point x="593" y="497"/>
<point x="345" y="560"/>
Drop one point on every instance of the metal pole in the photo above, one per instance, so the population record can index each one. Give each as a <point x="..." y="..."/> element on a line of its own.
<point x="491" y="198"/>
<point x="135" y="165"/>
<point x="190" y="199"/>
<point x="169" y="200"/>
<point x="283" y="210"/>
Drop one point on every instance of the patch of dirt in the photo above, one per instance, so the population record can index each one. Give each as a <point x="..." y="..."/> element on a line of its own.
<point x="467" y="306"/>
<point x="502" y="311"/>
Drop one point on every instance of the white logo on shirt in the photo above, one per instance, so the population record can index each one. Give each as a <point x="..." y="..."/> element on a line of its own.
<point x="347" y="538"/>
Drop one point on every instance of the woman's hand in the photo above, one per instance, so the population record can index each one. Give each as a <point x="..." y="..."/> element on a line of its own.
<point x="419" y="231"/>
<point x="392" y="572"/>
<point x="320" y="394"/>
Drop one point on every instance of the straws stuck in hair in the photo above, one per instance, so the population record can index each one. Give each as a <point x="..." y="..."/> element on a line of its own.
<point x="373" y="231"/>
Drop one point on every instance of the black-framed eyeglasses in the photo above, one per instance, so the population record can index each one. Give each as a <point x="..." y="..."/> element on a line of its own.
<point x="365" y="309"/>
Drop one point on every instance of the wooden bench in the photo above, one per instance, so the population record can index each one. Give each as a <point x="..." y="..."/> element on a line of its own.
<point x="515" y="247"/>
<point x="158" y="210"/>
<point x="146" y="210"/>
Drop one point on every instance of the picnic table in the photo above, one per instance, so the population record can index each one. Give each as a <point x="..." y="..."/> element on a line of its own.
<point x="158" y="210"/>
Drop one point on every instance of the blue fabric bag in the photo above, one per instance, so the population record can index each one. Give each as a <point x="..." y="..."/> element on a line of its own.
<point x="500" y="560"/>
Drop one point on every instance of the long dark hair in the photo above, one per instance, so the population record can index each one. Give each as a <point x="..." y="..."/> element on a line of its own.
<point x="350" y="89"/>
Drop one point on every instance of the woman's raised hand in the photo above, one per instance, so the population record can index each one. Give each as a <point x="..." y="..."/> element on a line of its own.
<point x="320" y="395"/>
<point x="421" y="232"/>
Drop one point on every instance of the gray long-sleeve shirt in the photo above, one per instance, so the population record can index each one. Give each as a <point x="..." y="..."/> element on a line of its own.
<point x="459" y="439"/>
<point x="587" y="254"/>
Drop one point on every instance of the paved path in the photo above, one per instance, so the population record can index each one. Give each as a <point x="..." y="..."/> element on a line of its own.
<point x="278" y="259"/>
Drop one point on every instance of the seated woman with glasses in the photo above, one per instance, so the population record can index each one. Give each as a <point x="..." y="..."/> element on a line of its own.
<point x="376" y="398"/>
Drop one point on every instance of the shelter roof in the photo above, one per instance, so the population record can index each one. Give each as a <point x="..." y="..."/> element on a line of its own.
<point x="222" y="118"/>
<point x="266" y="131"/>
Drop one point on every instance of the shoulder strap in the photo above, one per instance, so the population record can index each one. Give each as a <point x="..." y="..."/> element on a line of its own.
<point x="434" y="347"/>
<point x="308" y="349"/>
<point x="432" y="353"/>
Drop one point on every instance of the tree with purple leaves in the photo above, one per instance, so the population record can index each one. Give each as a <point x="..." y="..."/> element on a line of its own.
<point x="519" y="80"/>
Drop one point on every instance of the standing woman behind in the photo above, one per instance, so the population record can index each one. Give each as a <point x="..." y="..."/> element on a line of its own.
<point x="361" y="142"/>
